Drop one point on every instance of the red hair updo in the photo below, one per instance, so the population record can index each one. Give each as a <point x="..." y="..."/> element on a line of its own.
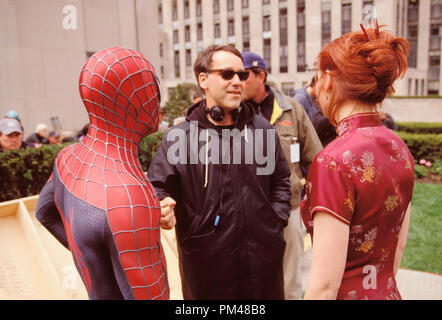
<point x="362" y="70"/>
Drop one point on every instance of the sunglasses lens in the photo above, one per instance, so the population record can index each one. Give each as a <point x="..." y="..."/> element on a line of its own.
<point x="228" y="74"/>
<point x="243" y="75"/>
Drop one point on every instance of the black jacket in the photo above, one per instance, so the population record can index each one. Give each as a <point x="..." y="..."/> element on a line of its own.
<point x="241" y="257"/>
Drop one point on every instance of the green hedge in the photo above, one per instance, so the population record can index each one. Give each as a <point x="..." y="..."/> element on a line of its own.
<point x="423" y="146"/>
<point x="420" y="127"/>
<point x="24" y="172"/>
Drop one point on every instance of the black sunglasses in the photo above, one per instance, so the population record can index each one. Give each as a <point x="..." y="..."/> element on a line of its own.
<point x="227" y="74"/>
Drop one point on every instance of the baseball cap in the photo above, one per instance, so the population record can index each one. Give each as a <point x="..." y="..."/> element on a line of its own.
<point x="13" y="114"/>
<point x="8" y="126"/>
<point x="252" y="60"/>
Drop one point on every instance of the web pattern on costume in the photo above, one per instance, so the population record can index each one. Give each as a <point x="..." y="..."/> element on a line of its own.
<point x="121" y="93"/>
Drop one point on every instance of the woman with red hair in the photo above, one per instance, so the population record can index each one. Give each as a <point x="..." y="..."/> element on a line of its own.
<point x="359" y="188"/>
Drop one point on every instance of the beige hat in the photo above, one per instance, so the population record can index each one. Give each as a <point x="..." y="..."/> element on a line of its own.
<point x="8" y="126"/>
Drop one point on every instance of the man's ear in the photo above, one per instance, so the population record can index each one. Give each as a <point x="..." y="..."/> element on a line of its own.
<point x="202" y="80"/>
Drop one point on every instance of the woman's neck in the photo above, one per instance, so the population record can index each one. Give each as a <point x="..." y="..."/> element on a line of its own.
<point x="352" y="107"/>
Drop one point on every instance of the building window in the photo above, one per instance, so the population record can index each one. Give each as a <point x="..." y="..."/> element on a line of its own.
<point x="413" y="10"/>
<point x="199" y="10"/>
<point x="217" y="30"/>
<point x="186" y="9"/>
<point x="283" y="59"/>
<point x="187" y="34"/>
<point x="267" y="54"/>
<point x="434" y="68"/>
<point x="244" y="3"/>
<point x="176" y="38"/>
<point x="176" y="59"/>
<point x="215" y="6"/>
<point x="161" y="50"/>
<point x="188" y="57"/>
<point x="160" y="13"/>
<point x="231" y="27"/>
<point x="435" y="36"/>
<point x="230" y="5"/>
<point x="266" y="23"/>
<point x="245" y="26"/>
<point x="346" y="18"/>
<point x="174" y="11"/>
<point x="300" y="41"/>
<point x="325" y="22"/>
<point x="412" y="31"/>
<point x="199" y="31"/>
<point x="283" y="36"/>
<point x="283" y="41"/>
<point x="436" y="9"/>
<point x="264" y="2"/>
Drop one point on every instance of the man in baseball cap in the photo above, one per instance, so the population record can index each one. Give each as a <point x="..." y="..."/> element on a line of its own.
<point x="11" y="135"/>
<point x="300" y="145"/>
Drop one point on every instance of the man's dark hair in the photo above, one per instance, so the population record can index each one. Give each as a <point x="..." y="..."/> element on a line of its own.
<point x="313" y="81"/>
<point x="204" y="59"/>
<point x="258" y="70"/>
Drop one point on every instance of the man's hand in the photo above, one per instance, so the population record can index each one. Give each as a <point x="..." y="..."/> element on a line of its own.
<point x="168" y="220"/>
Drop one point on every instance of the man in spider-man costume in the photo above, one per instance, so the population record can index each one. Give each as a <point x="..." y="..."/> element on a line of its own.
<point x="98" y="202"/>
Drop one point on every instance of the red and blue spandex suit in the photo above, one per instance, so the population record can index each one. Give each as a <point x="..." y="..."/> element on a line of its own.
<point x="98" y="202"/>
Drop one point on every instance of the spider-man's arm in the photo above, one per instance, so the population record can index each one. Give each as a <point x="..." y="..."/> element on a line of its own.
<point x="47" y="213"/>
<point x="162" y="174"/>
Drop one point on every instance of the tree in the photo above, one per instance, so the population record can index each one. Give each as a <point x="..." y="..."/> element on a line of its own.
<point x="179" y="100"/>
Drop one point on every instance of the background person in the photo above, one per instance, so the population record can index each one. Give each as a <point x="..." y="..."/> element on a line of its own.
<point x="54" y="137"/>
<point x="357" y="203"/>
<point x="11" y="135"/>
<point x="229" y="220"/>
<point x="164" y="125"/>
<point x="39" y="137"/>
<point x="306" y="97"/>
<point x="297" y="135"/>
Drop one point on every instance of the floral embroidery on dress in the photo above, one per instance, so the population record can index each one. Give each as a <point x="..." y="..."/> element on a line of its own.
<point x="351" y="295"/>
<point x="348" y="159"/>
<point x="391" y="203"/>
<point x="367" y="132"/>
<point x="401" y="155"/>
<point x="331" y="164"/>
<point x="348" y="201"/>
<point x="385" y="255"/>
<point x="368" y="243"/>
<point x="342" y="127"/>
<point x="368" y="172"/>
<point x="356" y="229"/>
<point x="391" y="284"/>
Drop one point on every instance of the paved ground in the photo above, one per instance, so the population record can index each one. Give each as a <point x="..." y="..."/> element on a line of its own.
<point x="413" y="285"/>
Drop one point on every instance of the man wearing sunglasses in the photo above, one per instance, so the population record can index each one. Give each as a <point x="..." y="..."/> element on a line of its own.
<point x="300" y="144"/>
<point x="228" y="217"/>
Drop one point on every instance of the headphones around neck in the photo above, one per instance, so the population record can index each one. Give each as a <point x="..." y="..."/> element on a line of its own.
<point x="217" y="113"/>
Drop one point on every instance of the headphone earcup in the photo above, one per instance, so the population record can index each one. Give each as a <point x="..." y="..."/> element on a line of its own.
<point x="217" y="113"/>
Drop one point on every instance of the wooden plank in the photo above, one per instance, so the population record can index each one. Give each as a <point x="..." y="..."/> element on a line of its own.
<point x="168" y="242"/>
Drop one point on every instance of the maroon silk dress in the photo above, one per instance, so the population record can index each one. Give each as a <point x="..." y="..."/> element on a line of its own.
<point x="364" y="178"/>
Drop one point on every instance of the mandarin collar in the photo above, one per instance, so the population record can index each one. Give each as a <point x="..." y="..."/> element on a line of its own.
<point x="359" y="120"/>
